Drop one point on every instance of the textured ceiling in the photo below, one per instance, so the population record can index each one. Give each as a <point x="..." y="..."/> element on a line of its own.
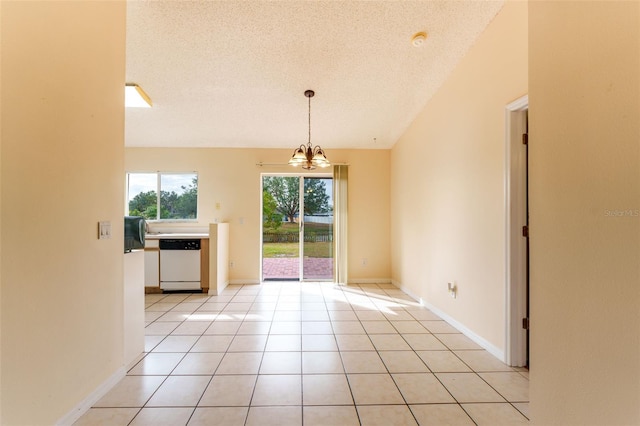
<point x="233" y="73"/>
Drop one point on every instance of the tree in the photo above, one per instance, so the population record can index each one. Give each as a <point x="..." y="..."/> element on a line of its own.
<point x="173" y="205"/>
<point x="285" y="191"/>
<point x="180" y="205"/>
<point x="187" y="203"/>
<point x="316" y="199"/>
<point x="144" y="204"/>
<point x="270" y="215"/>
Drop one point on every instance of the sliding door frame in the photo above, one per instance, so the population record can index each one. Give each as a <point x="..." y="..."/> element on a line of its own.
<point x="301" y="177"/>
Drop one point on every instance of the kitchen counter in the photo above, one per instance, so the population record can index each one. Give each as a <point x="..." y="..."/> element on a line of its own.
<point x="177" y="236"/>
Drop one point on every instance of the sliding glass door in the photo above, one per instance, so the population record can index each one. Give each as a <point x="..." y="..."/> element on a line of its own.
<point x="317" y="228"/>
<point x="297" y="228"/>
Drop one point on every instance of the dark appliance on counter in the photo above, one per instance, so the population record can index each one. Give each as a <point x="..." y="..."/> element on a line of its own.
<point x="134" y="231"/>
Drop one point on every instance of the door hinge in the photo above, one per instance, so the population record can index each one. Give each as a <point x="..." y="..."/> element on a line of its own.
<point x="525" y="323"/>
<point x="525" y="231"/>
<point x="525" y="139"/>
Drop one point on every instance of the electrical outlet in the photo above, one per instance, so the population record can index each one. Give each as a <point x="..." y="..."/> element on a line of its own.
<point x="231" y="264"/>
<point x="364" y="261"/>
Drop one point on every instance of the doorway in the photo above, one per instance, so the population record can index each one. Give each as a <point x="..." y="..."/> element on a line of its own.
<point x="517" y="233"/>
<point x="297" y="228"/>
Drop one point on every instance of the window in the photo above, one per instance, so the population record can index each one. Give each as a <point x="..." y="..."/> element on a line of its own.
<point x="178" y="195"/>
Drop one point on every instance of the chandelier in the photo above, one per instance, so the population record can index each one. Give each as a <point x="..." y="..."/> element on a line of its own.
<point x="307" y="156"/>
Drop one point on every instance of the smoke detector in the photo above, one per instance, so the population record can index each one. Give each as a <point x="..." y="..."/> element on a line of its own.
<point x="418" y="39"/>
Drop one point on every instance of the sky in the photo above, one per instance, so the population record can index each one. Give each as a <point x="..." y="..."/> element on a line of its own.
<point x="144" y="182"/>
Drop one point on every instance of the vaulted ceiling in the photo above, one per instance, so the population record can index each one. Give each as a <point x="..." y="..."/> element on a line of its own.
<point x="233" y="73"/>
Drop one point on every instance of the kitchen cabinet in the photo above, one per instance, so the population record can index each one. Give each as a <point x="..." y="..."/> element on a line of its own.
<point x="133" y="306"/>
<point x="152" y="266"/>
<point x="204" y="265"/>
<point x="152" y="275"/>
<point x="218" y="257"/>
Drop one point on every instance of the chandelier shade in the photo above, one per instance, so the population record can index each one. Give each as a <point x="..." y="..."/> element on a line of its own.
<point x="308" y="156"/>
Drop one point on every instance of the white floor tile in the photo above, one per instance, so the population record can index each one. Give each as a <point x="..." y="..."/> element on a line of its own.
<point x="179" y="391"/>
<point x="227" y="416"/>
<point x="278" y="390"/>
<point x="330" y="415"/>
<point x="495" y="414"/>
<point x="157" y="364"/>
<point x="421" y="388"/>
<point x="398" y="361"/>
<point x="229" y="391"/>
<point x="283" y="352"/>
<point x="198" y="363"/>
<point x="441" y="414"/>
<point x="162" y="416"/>
<point x="131" y="391"/>
<point x="468" y="387"/>
<point x="274" y="416"/>
<point x="107" y="417"/>
<point x="326" y="389"/>
<point x="374" y="389"/>
<point x="321" y="363"/>
<point x="383" y="415"/>
<point x="281" y="363"/>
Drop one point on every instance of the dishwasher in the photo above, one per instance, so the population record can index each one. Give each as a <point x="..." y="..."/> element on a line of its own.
<point x="179" y="264"/>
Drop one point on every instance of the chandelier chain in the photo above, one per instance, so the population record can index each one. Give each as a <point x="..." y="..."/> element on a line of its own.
<point x="309" y="143"/>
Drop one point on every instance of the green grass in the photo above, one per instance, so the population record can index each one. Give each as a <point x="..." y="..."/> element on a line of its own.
<point x="321" y="250"/>
<point x="292" y="250"/>
<point x="280" y="250"/>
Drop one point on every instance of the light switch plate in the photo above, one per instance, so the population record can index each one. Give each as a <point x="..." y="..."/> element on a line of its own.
<point x="104" y="230"/>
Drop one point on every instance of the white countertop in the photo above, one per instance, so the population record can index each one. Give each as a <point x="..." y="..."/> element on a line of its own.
<point x="177" y="236"/>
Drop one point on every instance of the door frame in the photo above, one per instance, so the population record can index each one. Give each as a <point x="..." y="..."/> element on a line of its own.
<point x="300" y="228"/>
<point x="515" y="244"/>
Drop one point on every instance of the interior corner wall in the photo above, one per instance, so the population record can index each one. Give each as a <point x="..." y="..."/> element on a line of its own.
<point x="584" y="68"/>
<point x="1" y="216"/>
<point x="62" y="167"/>
<point x="229" y="191"/>
<point x="448" y="184"/>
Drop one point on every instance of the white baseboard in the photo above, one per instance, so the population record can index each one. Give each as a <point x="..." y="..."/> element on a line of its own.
<point x="485" y="344"/>
<point x="84" y="405"/>
<point x="407" y="291"/>
<point x="489" y="347"/>
<point x="214" y="291"/>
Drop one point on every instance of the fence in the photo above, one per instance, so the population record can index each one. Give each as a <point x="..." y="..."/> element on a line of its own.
<point x="309" y="237"/>
<point x="318" y="218"/>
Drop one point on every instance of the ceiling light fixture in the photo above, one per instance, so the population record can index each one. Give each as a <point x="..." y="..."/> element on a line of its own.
<point x="306" y="156"/>
<point x="135" y="97"/>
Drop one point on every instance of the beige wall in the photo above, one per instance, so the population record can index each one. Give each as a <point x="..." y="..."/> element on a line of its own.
<point x="62" y="171"/>
<point x="447" y="183"/>
<point x="1" y="133"/>
<point x="231" y="178"/>
<point x="585" y="201"/>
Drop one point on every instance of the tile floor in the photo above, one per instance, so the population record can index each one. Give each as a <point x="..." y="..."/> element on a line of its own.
<point x="286" y="353"/>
